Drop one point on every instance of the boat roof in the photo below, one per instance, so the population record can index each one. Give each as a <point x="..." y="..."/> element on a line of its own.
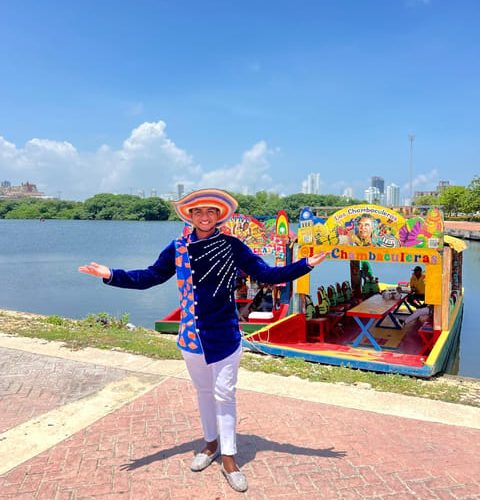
<point x="456" y="243"/>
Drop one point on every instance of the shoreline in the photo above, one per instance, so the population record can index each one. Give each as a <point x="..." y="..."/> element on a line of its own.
<point x="463" y="229"/>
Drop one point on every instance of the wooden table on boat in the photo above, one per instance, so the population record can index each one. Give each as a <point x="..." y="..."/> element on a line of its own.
<point x="374" y="309"/>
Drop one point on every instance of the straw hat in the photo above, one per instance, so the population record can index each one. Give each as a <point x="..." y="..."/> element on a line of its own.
<point x="206" y="198"/>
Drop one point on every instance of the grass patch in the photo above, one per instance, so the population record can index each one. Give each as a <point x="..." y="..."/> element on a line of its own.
<point x="106" y="332"/>
<point x="97" y="330"/>
<point x="435" y="388"/>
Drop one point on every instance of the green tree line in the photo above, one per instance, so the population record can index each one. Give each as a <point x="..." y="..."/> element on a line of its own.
<point x="263" y="203"/>
<point x="127" y="207"/>
<point x="99" y="207"/>
<point x="457" y="200"/>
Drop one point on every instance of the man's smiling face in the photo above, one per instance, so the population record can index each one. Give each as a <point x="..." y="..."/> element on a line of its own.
<point x="205" y="220"/>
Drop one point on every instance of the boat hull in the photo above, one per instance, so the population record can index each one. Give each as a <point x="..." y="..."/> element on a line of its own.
<point x="286" y="339"/>
<point x="171" y="322"/>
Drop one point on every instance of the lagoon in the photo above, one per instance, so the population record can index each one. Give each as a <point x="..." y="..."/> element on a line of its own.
<point x="39" y="261"/>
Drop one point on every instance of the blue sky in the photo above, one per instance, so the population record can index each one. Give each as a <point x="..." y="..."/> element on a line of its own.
<point x="122" y="96"/>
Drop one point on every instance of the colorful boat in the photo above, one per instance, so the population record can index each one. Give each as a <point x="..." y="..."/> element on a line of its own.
<point x="362" y="323"/>
<point x="270" y="237"/>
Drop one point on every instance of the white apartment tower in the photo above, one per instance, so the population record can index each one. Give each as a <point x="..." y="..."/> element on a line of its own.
<point x="393" y="195"/>
<point x="312" y="184"/>
<point x="373" y="195"/>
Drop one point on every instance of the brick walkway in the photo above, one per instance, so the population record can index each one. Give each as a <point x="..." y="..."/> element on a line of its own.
<point x="289" y="448"/>
<point x="30" y="384"/>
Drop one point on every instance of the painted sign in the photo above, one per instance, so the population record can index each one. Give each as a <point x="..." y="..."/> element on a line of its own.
<point x="422" y="256"/>
<point x="251" y="231"/>
<point x="372" y="226"/>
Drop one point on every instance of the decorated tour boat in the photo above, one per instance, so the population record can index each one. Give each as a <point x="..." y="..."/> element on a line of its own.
<point x="360" y="322"/>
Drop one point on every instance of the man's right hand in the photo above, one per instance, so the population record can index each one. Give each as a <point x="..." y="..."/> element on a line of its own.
<point x="97" y="270"/>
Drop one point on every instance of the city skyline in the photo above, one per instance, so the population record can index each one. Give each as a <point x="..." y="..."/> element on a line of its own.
<point x="245" y="97"/>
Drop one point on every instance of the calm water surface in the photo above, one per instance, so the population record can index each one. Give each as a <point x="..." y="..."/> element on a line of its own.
<point x="39" y="260"/>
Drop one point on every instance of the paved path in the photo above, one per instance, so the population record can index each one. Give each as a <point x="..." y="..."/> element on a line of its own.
<point x="121" y="426"/>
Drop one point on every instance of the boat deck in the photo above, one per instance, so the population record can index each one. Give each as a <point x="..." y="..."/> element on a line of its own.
<point x="298" y="337"/>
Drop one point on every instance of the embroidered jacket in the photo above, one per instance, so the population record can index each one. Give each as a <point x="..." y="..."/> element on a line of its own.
<point x="206" y="271"/>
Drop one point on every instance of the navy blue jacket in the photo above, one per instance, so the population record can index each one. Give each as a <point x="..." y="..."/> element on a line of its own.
<point x="215" y="309"/>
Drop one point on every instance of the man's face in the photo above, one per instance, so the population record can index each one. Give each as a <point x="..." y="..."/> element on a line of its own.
<point x="417" y="273"/>
<point x="365" y="228"/>
<point x="205" y="219"/>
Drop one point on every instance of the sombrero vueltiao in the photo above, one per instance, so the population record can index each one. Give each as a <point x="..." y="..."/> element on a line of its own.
<point x="202" y="198"/>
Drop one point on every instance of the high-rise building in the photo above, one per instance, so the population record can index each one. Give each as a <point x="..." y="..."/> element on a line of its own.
<point x="180" y="190"/>
<point x="348" y="193"/>
<point x="378" y="183"/>
<point x="314" y="183"/>
<point x="393" y="195"/>
<point x="373" y="195"/>
<point x="311" y="185"/>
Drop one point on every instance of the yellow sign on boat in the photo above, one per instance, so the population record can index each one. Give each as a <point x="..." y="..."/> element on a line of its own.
<point x="377" y="234"/>
<point x="372" y="226"/>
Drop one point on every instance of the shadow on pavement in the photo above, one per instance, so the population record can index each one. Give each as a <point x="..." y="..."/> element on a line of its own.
<point x="248" y="446"/>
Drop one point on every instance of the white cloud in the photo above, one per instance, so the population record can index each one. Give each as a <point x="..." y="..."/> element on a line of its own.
<point x="250" y="175"/>
<point x="148" y="159"/>
<point x="423" y="182"/>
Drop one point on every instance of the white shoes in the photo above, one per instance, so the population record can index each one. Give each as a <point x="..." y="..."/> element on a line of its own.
<point x="236" y="479"/>
<point x="202" y="460"/>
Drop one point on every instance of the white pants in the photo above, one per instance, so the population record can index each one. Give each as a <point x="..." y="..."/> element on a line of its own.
<point x="215" y="385"/>
<point x="422" y="311"/>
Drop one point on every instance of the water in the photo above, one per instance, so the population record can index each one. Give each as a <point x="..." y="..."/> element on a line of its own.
<point x="39" y="261"/>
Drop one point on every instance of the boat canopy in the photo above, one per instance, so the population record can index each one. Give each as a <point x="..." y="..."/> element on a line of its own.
<point x="456" y="243"/>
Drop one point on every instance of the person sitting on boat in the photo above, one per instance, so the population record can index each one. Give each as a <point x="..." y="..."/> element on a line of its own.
<point x="422" y="314"/>
<point x="263" y="301"/>
<point x="241" y="289"/>
<point x="207" y="263"/>
<point x="417" y="288"/>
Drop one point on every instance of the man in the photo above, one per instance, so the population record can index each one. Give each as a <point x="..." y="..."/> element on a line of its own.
<point x="206" y="263"/>
<point x="365" y="227"/>
<point x="417" y="288"/>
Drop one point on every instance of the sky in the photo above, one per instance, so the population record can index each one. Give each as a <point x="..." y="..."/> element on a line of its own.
<point x="128" y="96"/>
